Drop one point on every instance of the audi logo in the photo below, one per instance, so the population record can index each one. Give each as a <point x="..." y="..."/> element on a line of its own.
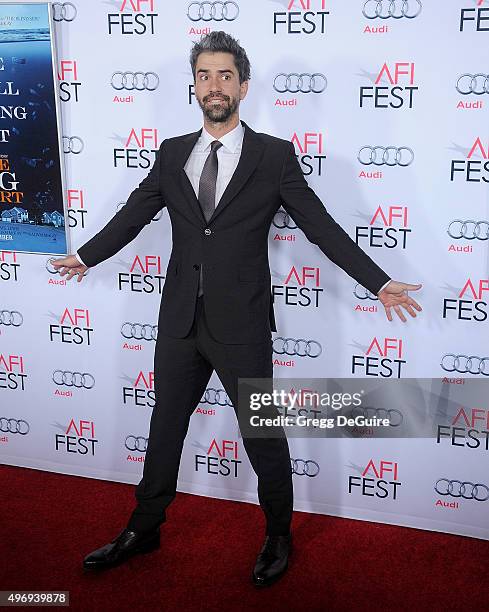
<point x="73" y="379"/>
<point x="470" y="230"/>
<point x="391" y="8"/>
<point x="303" y="83"/>
<point x="395" y="416"/>
<point x="157" y="217"/>
<point x="281" y="219"/>
<point x="72" y="144"/>
<point x="215" y="397"/>
<point x="14" y="426"/>
<point x="212" y="11"/>
<point x="390" y="156"/>
<point x="363" y="294"/>
<point x="136" y="443"/>
<point x="139" y="331"/>
<point x="477" y="84"/>
<point x="465" y="489"/>
<point x="64" y="11"/>
<point x="300" y="347"/>
<point x="11" y="318"/>
<point x="304" y="467"/>
<point x="52" y="270"/>
<point x="465" y="364"/>
<point x="135" y="80"/>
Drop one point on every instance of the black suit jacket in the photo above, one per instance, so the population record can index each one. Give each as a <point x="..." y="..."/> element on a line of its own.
<point x="233" y="245"/>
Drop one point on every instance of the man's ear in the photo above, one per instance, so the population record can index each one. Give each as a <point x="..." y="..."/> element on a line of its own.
<point x="243" y="90"/>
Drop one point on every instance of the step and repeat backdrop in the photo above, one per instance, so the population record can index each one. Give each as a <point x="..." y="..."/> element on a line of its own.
<point x="387" y="105"/>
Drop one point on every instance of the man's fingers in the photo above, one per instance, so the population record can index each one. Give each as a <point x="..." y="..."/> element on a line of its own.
<point x="414" y="304"/>
<point x="388" y="312"/>
<point x="410" y="309"/>
<point x="400" y="314"/>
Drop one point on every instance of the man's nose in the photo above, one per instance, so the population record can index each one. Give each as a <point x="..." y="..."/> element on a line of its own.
<point x="215" y="84"/>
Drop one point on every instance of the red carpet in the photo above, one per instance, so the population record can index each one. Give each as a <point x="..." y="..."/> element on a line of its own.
<point x="50" y="521"/>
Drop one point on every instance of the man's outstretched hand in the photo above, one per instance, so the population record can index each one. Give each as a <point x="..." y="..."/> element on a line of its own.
<point x="71" y="266"/>
<point x="395" y="295"/>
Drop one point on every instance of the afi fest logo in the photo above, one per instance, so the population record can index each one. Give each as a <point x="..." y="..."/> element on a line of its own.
<point x="76" y="208"/>
<point x="469" y="428"/>
<point x="141" y="392"/>
<point x="379" y="479"/>
<point x="301" y="288"/>
<point x="471" y="303"/>
<point x="301" y="17"/>
<point x="69" y="82"/>
<point x="73" y="327"/>
<point x="309" y="151"/>
<point x="78" y="437"/>
<point x="220" y="459"/>
<point x="12" y="372"/>
<point x="398" y="93"/>
<point x="386" y="229"/>
<point x="475" y="168"/>
<point x="135" y="17"/>
<point x="9" y="267"/>
<point x="139" y="150"/>
<point x="474" y="19"/>
<point x="144" y="275"/>
<point x="382" y="358"/>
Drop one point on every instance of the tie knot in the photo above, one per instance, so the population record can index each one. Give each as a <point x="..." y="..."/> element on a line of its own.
<point x="215" y="144"/>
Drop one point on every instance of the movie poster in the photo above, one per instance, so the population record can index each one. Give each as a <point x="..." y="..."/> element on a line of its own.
<point x="32" y="214"/>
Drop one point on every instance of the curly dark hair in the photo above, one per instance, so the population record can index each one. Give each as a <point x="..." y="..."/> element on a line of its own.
<point x="222" y="42"/>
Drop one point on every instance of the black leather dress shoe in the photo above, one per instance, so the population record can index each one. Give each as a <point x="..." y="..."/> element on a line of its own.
<point x="126" y="544"/>
<point x="272" y="561"/>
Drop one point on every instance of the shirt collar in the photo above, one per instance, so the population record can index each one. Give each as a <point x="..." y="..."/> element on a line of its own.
<point x="231" y="141"/>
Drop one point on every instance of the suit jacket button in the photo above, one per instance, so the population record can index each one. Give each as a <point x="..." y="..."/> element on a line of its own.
<point x="207" y="231"/>
<point x="196" y="266"/>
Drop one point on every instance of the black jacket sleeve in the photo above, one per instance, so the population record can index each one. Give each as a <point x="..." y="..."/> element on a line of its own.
<point x="142" y="205"/>
<point x="310" y="215"/>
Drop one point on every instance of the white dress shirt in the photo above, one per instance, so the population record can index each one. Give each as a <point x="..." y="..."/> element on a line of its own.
<point x="227" y="156"/>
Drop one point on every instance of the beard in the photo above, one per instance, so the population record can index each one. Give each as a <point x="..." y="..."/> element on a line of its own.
<point x="218" y="113"/>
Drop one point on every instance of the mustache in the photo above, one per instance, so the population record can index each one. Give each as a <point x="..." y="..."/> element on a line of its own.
<point x="214" y="97"/>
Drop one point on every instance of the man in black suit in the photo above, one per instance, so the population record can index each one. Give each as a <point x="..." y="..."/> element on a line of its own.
<point x="216" y="308"/>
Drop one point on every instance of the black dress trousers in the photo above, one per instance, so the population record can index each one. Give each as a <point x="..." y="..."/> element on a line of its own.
<point x="182" y="369"/>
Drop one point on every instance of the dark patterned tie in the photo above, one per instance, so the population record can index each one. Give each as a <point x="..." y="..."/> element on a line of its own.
<point x="207" y="190"/>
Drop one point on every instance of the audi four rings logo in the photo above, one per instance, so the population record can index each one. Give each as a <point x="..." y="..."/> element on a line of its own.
<point x="139" y="331"/>
<point x="64" y="11"/>
<point x="465" y="364"/>
<point x="212" y="11"/>
<point x="300" y="347"/>
<point x="216" y="396"/>
<point x="391" y="8"/>
<point x="282" y="220"/>
<point x="395" y="416"/>
<point x="304" y="467"/>
<point x="73" y="379"/>
<point x="477" y="84"/>
<point x="72" y="144"/>
<point x="136" y="443"/>
<point x="14" y="426"/>
<point x="390" y="156"/>
<point x="465" y="489"/>
<point x="11" y="318"/>
<point x="303" y="83"/>
<point x="130" y="81"/>
<point x="363" y="294"/>
<point x="470" y="230"/>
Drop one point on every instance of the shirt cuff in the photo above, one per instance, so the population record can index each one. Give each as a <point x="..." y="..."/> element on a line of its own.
<point x="384" y="286"/>
<point x="80" y="259"/>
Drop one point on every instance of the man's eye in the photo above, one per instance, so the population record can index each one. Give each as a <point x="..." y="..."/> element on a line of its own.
<point x="226" y="76"/>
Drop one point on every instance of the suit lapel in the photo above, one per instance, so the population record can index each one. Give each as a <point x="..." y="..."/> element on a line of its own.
<point x="251" y="153"/>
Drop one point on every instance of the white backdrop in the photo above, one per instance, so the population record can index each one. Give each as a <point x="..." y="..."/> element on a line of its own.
<point x="76" y="395"/>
